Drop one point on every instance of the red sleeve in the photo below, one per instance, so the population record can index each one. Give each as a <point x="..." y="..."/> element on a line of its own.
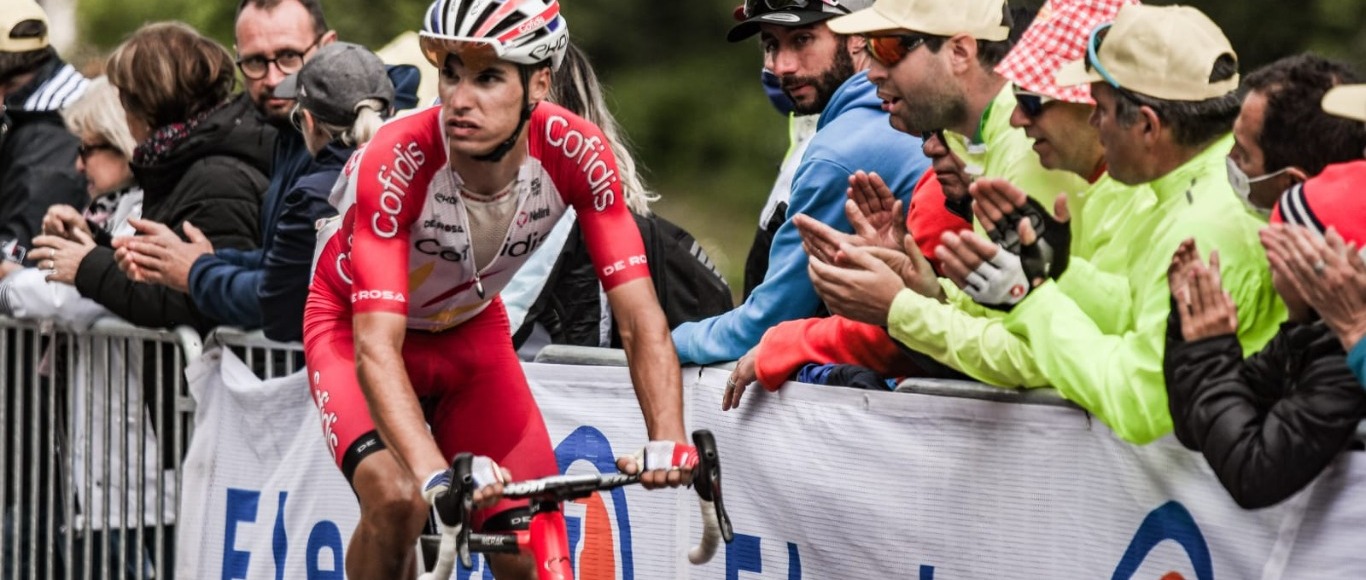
<point x="390" y="184"/>
<point x="787" y="346"/>
<point x="581" y="163"/>
<point x="928" y="219"/>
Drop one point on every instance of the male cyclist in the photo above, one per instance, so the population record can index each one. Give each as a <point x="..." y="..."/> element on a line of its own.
<point x="404" y="327"/>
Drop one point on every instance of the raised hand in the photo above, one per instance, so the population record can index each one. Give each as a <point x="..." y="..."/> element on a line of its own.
<point x="875" y="213"/>
<point x="1209" y="310"/>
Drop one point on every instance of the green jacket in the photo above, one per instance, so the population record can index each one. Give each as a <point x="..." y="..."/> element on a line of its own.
<point x="973" y="339"/>
<point x="1117" y="375"/>
<point x="1001" y="151"/>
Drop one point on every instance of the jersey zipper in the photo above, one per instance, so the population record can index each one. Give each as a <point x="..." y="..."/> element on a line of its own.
<point x="469" y="232"/>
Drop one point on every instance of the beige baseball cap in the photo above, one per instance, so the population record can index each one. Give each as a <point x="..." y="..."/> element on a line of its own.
<point x="12" y="12"/>
<point x="980" y="19"/>
<point x="1346" y="101"/>
<point x="1165" y="52"/>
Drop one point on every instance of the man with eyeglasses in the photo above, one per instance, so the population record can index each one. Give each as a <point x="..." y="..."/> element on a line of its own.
<point x="1165" y="83"/>
<point x="273" y="40"/>
<point x="824" y="73"/>
<point x="1280" y="107"/>
<point x="37" y="153"/>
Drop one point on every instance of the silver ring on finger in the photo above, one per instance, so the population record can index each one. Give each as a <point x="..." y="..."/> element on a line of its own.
<point x="730" y="383"/>
<point x="1319" y="267"/>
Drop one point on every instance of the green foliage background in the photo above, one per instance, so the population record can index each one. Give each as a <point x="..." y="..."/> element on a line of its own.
<point x="691" y="102"/>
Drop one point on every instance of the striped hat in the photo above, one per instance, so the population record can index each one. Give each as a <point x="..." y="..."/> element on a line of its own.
<point x="1057" y="37"/>
<point x="1332" y="198"/>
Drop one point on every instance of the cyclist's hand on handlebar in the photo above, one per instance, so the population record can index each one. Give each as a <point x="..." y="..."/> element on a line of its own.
<point x="666" y="463"/>
<point x="489" y="478"/>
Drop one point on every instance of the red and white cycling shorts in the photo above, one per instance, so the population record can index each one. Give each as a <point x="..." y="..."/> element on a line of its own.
<point x="468" y="379"/>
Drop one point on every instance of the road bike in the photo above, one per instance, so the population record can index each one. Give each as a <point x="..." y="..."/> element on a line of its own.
<point x="545" y="538"/>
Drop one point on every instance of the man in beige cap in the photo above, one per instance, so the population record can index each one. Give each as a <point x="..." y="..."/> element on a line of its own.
<point x="37" y="153"/>
<point x="1347" y="101"/>
<point x="1165" y="83"/>
<point x="933" y="63"/>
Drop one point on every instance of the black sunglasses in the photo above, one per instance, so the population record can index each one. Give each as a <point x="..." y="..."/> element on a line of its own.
<point x="85" y="150"/>
<point x="935" y="134"/>
<point x="1031" y="104"/>
<point x="756" y="7"/>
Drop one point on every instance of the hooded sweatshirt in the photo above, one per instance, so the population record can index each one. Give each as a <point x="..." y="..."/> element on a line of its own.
<point x="853" y="133"/>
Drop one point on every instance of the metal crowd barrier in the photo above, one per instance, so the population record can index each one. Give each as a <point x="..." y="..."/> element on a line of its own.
<point x="94" y="426"/>
<point x="267" y="358"/>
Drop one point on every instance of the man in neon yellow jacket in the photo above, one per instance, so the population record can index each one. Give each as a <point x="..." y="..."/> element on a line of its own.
<point x="1163" y="114"/>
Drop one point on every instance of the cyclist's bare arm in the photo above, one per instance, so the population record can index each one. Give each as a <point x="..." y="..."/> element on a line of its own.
<point x="654" y="368"/>
<point x="393" y="406"/>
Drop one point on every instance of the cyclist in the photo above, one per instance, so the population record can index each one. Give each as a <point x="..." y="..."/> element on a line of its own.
<point x="403" y="318"/>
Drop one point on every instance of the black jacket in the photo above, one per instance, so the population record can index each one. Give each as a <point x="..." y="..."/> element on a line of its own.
<point x="284" y="283"/>
<point x="214" y="179"/>
<point x="37" y="153"/>
<point x="1270" y="424"/>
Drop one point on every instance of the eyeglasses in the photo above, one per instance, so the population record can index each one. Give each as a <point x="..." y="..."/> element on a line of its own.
<point x="85" y="150"/>
<point x="890" y="49"/>
<point x="1031" y="104"/>
<point x="1093" y="54"/>
<point x="755" y="7"/>
<point x="289" y="61"/>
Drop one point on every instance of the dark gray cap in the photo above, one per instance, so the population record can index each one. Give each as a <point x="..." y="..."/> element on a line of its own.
<point x="337" y="78"/>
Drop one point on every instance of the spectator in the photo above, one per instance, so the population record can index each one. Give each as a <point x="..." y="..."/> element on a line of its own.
<point x="821" y="72"/>
<point x="1268" y="425"/>
<point x="556" y="298"/>
<point x="1270" y="153"/>
<point x="951" y="85"/>
<point x="98" y="122"/>
<point x="273" y="38"/>
<point x="201" y="161"/>
<point x="1165" y="83"/>
<point x="1338" y="297"/>
<point x="37" y="154"/>
<point x="342" y="93"/>
<point x="942" y="332"/>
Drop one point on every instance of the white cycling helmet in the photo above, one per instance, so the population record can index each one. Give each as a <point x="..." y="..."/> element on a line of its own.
<point x="520" y="31"/>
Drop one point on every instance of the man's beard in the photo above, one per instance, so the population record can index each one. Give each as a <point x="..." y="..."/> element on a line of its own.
<point x="826" y="83"/>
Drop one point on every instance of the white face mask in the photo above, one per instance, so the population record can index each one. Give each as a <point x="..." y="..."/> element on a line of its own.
<point x="1242" y="184"/>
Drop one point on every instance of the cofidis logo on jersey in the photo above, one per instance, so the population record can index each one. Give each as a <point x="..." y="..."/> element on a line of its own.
<point x="599" y="539"/>
<point x="1171" y="521"/>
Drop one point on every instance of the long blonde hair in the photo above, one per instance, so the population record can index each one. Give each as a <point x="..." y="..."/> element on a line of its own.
<point x="575" y="87"/>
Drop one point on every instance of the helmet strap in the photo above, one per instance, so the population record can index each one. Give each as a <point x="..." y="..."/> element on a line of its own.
<point x="501" y="151"/>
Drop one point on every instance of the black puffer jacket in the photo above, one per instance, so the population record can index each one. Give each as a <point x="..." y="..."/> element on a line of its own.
<point x="1270" y="424"/>
<point x="214" y="179"/>
<point x="37" y="153"/>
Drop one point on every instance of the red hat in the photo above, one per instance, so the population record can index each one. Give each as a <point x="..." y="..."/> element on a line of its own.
<point x="1332" y="198"/>
<point x="1057" y="36"/>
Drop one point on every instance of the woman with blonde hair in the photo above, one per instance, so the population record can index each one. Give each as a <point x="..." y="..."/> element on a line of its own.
<point x="201" y="159"/>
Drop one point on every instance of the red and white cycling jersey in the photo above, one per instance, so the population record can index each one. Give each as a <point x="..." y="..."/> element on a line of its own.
<point x="403" y="244"/>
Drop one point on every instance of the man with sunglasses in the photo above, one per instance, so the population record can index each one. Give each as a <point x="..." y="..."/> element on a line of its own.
<point x="822" y="73"/>
<point x="933" y="63"/>
<point x="1165" y="83"/>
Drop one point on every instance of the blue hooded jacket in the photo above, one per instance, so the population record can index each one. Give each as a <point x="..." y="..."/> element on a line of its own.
<point x="853" y="133"/>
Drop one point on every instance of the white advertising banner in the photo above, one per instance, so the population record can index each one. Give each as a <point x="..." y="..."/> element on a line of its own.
<point x="826" y="482"/>
<point x="261" y="496"/>
<point x="820" y="482"/>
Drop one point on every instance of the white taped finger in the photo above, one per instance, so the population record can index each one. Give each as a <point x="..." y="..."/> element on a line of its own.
<point x="485" y="472"/>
